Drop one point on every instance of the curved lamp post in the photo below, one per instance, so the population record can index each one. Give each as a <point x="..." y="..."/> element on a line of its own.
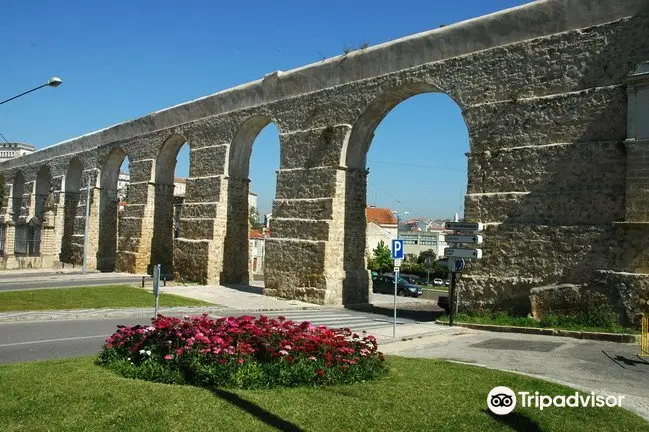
<point x="52" y="82"/>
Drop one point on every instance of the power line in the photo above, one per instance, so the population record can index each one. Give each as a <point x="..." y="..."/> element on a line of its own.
<point x="419" y="166"/>
<point x="394" y="198"/>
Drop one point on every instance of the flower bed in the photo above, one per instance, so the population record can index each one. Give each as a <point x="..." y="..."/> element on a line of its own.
<point x="244" y="352"/>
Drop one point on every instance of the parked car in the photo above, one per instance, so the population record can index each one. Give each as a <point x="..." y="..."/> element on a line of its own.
<point x="385" y="285"/>
<point x="412" y="279"/>
<point x="438" y="282"/>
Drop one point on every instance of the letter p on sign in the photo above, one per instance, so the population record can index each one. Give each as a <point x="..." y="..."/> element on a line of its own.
<point x="397" y="249"/>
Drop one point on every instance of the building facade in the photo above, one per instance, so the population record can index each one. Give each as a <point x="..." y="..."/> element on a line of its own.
<point x="14" y="150"/>
<point x="416" y="242"/>
<point x="381" y="226"/>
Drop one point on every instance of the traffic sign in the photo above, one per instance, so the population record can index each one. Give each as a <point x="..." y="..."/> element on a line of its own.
<point x="464" y="226"/>
<point x="477" y="239"/>
<point x="397" y="262"/>
<point x="397" y="249"/>
<point x="458" y="264"/>
<point x="463" y="253"/>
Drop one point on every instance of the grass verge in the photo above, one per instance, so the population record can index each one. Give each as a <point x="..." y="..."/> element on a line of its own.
<point x="417" y="395"/>
<point x="555" y="322"/>
<point x="104" y="296"/>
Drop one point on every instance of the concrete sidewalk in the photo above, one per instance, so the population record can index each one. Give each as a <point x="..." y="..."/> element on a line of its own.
<point x="606" y="368"/>
<point x="68" y="274"/>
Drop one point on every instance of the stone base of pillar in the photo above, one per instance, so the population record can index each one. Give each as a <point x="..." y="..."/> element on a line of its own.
<point x="196" y="261"/>
<point x="127" y="262"/>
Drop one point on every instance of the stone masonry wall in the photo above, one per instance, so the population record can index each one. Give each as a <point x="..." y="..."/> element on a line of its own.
<point x="542" y="90"/>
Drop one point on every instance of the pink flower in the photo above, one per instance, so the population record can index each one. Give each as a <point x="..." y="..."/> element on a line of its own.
<point x="168" y="357"/>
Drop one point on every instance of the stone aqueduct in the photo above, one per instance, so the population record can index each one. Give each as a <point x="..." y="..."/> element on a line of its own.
<point x="551" y="92"/>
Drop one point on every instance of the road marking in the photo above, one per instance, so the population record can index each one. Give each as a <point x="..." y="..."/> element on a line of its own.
<point x="52" y="340"/>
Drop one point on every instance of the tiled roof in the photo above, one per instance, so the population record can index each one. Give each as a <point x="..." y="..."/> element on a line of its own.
<point x="255" y="234"/>
<point x="380" y="216"/>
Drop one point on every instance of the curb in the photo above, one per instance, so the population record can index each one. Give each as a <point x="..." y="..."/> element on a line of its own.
<point x="598" y="336"/>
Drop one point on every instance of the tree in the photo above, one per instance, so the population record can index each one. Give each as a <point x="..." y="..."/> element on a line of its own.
<point x="382" y="259"/>
<point x="421" y="259"/>
<point x="254" y="219"/>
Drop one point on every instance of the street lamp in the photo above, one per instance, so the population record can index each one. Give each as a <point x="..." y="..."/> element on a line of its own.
<point x="52" y="82"/>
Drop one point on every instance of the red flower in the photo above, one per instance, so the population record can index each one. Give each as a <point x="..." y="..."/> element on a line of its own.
<point x="320" y="372"/>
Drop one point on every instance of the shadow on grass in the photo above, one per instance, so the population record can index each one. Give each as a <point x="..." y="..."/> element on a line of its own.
<point x="516" y="421"/>
<point x="256" y="411"/>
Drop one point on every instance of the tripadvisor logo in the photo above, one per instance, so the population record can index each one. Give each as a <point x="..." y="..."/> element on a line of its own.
<point x="502" y="400"/>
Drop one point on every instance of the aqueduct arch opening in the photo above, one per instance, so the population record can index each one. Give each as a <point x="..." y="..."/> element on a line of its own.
<point x="166" y="214"/>
<point x="72" y="223"/>
<point x="357" y="282"/>
<point x="17" y="191"/>
<point x="236" y="266"/>
<point x="108" y="210"/>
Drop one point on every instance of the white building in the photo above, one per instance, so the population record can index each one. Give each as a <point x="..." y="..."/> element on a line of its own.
<point x="257" y="241"/>
<point x="381" y="225"/>
<point x="13" y="150"/>
<point x="416" y="242"/>
<point x="252" y="201"/>
<point x="122" y="184"/>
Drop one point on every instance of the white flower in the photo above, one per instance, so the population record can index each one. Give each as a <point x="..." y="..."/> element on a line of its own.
<point x="148" y="352"/>
<point x="283" y="352"/>
<point x="128" y="358"/>
<point x="142" y="351"/>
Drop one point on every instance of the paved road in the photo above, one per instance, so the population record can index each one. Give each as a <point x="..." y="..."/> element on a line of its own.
<point x="66" y="282"/>
<point x="605" y="367"/>
<point x="25" y="341"/>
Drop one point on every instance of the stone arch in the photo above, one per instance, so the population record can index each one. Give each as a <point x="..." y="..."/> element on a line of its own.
<point x="71" y="222"/>
<point x="236" y="244"/>
<point x="354" y="158"/>
<point x="108" y="207"/>
<point x="17" y="191"/>
<point x="162" y="239"/>
<point x="42" y="190"/>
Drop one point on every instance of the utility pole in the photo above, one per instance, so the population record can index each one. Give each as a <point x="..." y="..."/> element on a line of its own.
<point x="84" y="267"/>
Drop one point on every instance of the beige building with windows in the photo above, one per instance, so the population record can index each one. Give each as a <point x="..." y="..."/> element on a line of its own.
<point x="14" y="150"/>
<point x="416" y="242"/>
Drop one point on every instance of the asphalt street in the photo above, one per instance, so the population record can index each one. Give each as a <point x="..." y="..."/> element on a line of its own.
<point x="39" y="340"/>
<point x="66" y="283"/>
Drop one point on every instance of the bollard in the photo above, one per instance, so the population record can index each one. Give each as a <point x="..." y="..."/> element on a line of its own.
<point x="164" y="281"/>
<point x="142" y="281"/>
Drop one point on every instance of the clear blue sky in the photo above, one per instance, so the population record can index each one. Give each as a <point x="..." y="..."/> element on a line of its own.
<point x="120" y="60"/>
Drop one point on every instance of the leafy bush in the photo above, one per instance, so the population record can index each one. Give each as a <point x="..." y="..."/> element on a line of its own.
<point x="244" y="352"/>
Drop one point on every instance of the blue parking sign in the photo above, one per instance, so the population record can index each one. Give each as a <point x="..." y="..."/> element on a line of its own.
<point x="397" y="249"/>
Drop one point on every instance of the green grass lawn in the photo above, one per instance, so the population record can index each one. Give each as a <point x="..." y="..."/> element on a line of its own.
<point x="507" y="320"/>
<point x="105" y="296"/>
<point x="417" y="395"/>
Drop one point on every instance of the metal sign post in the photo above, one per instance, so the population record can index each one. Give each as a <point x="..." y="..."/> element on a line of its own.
<point x="156" y="287"/>
<point x="397" y="255"/>
<point x="456" y="255"/>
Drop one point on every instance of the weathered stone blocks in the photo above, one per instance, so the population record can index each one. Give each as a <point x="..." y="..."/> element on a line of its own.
<point x="303" y="183"/>
<point x="317" y="208"/>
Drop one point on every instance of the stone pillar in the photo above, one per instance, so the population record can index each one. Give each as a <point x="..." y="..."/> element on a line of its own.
<point x="305" y="256"/>
<point x="59" y="224"/>
<point x="634" y="230"/>
<point x="236" y="253"/>
<point x="93" y="226"/>
<point x="47" y="240"/>
<point x="10" y="242"/>
<point x="199" y="250"/>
